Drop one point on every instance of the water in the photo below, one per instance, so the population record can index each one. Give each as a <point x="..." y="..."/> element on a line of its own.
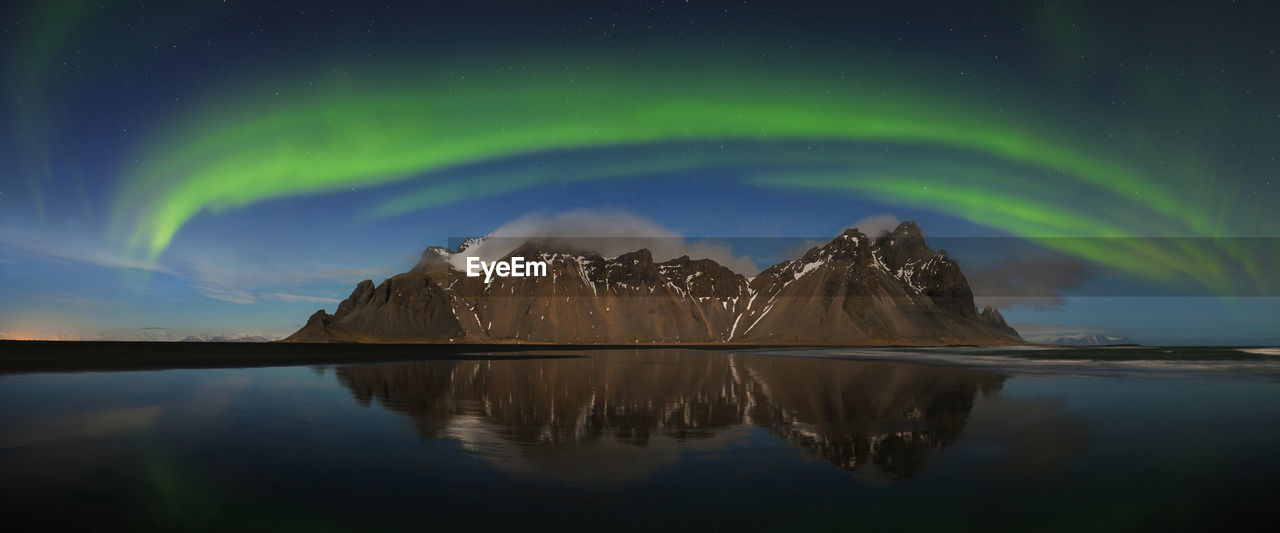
<point x="955" y="439"/>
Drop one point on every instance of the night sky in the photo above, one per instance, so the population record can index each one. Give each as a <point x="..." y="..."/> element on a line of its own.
<point x="230" y="167"/>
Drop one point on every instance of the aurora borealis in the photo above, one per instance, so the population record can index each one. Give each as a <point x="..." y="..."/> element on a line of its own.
<point x="368" y="135"/>
<point x="163" y="156"/>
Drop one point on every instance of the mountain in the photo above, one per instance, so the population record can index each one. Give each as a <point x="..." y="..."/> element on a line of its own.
<point x="405" y="307"/>
<point x="854" y="290"/>
<point x="892" y="289"/>
<point x="1088" y="339"/>
<point x="225" y="338"/>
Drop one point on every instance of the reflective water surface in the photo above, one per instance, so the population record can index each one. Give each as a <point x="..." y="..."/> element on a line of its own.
<point x="644" y="439"/>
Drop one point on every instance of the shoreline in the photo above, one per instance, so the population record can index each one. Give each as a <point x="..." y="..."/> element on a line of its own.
<point x="38" y="356"/>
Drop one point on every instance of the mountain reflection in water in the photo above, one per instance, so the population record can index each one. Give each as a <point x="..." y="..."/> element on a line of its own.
<point x="875" y="418"/>
<point x="649" y="440"/>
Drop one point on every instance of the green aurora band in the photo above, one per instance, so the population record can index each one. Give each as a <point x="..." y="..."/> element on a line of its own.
<point x="993" y="167"/>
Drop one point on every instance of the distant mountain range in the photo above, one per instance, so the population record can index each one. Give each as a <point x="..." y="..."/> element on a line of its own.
<point x="226" y="338"/>
<point x="892" y="289"/>
<point x="1088" y="339"/>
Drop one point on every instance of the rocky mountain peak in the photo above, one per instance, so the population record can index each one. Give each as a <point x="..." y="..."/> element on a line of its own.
<point x="702" y="278"/>
<point x="544" y="248"/>
<point x="849" y="245"/>
<point x="404" y="306"/>
<point x="322" y="327"/>
<point x="992" y="315"/>
<point x="679" y="261"/>
<point x="908" y="230"/>
<point x="433" y="259"/>
<point x="852" y="289"/>
<point x="904" y="245"/>
<point x="360" y="296"/>
<point x="633" y="269"/>
<point x="436" y="259"/>
<point x="469" y="242"/>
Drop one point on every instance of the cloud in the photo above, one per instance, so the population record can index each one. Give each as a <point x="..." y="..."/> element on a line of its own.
<point x="877" y="225"/>
<point x="286" y="297"/>
<point x="606" y="232"/>
<point x="803" y="247"/>
<point x="60" y="248"/>
<point x="1036" y="281"/>
<point x="872" y="226"/>
<point x="220" y="275"/>
<point x="235" y="296"/>
<point x="227" y="277"/>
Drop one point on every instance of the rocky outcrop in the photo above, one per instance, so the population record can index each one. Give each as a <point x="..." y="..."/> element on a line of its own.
<point x="586" y="298"/>
<point x="894" y="290"/>
<point x="406" y="307"/>
<point x="854" y="290"/>
<point x="322" y="327"/>
<point x="995" y="320"/>
<point x="934" y="274"/>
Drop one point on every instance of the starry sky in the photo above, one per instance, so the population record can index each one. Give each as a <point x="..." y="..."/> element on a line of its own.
<point x="231" y="166"/>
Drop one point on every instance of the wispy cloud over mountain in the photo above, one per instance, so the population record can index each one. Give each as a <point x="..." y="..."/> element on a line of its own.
<point x="606" y="232"/>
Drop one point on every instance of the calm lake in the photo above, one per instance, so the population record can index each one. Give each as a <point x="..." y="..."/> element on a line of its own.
<point x="831" y="439"/>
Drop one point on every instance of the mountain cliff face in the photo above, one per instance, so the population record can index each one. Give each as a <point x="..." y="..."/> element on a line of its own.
<point x="891" y="290"/>
<point x="406" y="307"/>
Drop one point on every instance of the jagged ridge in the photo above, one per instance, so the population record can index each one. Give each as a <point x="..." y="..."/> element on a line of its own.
<point x="890" y="290"/>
